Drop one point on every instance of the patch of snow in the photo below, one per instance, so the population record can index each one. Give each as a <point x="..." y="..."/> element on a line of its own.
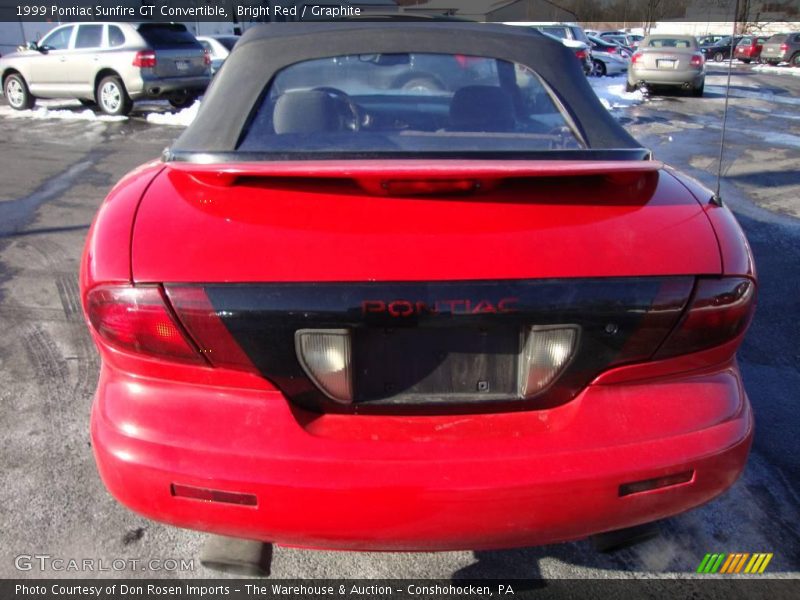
<point x="778" y="139"/>
<point x="47" y="112"/>
<point x="794" y="71"/>
<point x="182" y="118"/>
<point x="613" y="95"/>
<point x="156" y="112"/>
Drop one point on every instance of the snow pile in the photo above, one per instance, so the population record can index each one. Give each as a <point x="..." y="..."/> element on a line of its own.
<point x="780" y="70"/>
<point x="60" y="114"/>
<point x="613" y="94"/>
<point x="182" y="118"/>
<point x="155" y="113"/>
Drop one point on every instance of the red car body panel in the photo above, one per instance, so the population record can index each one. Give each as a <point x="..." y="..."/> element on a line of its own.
<point x="735" y="253"/>
<point x="749" y="51"/>
<point x="105" y="259"/>
<point x="262" y="229"/>
<point x="392" y="482"/>
<point x="418" y="483"/>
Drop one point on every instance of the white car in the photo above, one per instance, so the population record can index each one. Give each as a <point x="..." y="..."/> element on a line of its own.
<point x="218" y="48"/>
<point x="608" y="58"/>
<point x="581" y="49"/>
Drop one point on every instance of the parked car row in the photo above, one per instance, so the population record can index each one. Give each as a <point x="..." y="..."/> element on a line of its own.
<point x="606" y="53"/>
<point x="570" y="35"/>
<point x="679" y="60"/>
<point x="775" y="49"/>
<point x="111" y="65"/>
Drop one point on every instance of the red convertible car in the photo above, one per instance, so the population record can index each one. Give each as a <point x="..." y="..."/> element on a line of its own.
<point x="343" y="311"/>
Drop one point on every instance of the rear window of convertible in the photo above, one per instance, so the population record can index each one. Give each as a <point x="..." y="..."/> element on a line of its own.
<point x="405" y="103"/>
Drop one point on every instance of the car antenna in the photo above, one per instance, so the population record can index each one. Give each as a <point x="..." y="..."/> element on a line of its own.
<point x="717" y="198"/>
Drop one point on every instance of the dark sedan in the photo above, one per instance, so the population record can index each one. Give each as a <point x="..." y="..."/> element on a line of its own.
<point x="721" y="49"/>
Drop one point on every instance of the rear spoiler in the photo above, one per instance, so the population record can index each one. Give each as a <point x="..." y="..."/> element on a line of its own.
<point x="379" y="175"/>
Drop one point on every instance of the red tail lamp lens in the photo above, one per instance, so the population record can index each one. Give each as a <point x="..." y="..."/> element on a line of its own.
<point x="201" y="320"/>
<point x="636" y="58"/>
<point x="145" y="59"/>
<point x="719" y="311"/>
<point x="581" y="54"/>
<point x="697" y="60"/>
<point x="136" y="319"/>
<point x="424" y="187"/>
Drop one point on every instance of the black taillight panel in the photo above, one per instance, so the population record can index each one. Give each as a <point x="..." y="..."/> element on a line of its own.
<point x="620" y="321"/>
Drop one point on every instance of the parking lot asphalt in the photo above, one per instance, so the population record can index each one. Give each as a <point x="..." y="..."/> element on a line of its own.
<point x="53" y="176"/>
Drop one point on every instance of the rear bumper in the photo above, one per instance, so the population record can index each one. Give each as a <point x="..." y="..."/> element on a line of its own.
<point x="665" y="77"/>
<point x="165" y="86"/>
<point x="776" y="57"/>
<point x="419" y="483"/>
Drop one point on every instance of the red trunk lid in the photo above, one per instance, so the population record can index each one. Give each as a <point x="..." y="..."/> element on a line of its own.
<point x="327" y="221"/>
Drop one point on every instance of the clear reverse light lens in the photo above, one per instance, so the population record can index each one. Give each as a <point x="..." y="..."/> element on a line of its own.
<point x="547" y="352"/>
<point x="325" y="355"/>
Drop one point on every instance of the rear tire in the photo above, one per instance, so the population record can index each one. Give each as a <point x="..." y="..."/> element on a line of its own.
<point x="600" y="68"/>
<point x="795" y="60"/>
<point x="17" y="94"/>
<point x="182" y="101"/>
<point x="719" y="57"/>
<point x="112" y="97"/>
<point x="630" y="87"/>
<point x="745" y="60"/>
<point x="698" y="91"/>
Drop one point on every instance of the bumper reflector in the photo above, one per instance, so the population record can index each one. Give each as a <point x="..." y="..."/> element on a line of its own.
<point x="546" y="353"/>
<point x="636" y="487"/>
<point x="326" y="357"/>
<point x="209" y="495"/>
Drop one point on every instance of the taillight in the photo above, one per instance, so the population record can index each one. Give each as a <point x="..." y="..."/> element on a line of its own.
<point x="427" y="187"/>
<point x="697" y="60"/>
<point x="784" y="47"/>
<point x="206" y="57"/>
<point x="581" y="54"/>
<point x="636" y="58"/>
<point x="203" y="323"/>
<point x="145" y="59"/>
<point x="138" y="320"/>
<point x="719" y="311"/>
<point x="613" y="50"/>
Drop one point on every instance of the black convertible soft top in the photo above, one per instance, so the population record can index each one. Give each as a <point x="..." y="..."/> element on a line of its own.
<point x="266" y="49"/>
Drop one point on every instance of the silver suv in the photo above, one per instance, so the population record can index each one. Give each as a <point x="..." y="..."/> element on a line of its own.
<point x="108" y="64"/>
<point x="782" y="47"/>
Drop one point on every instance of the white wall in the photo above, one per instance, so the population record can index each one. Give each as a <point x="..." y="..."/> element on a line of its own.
<point x="718" y="27"/>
